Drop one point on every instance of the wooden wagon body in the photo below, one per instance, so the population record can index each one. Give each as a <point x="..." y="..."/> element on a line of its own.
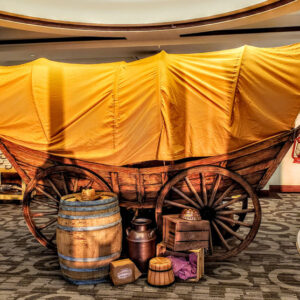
<point x="223" y="188"/>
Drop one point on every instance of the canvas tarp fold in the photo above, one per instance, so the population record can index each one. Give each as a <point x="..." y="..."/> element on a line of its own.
<point x="164" y="107"/>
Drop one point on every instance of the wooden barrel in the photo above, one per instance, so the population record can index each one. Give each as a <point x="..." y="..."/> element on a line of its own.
<point x="89" y="237"/>
<point x="160" y="272"/>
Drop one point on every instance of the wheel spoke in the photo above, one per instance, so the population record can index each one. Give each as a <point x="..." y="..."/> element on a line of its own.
<point x="227" y="200"/>
<point x="237" y="211"/>
<point x="34" y="200"/>
<point x="34" y="215"/>
<point x="42" y="197"/>
<point x="234" y="200"/>
<point x="214" y="189"/>
<point x="232" y="221"/>
<point x="193" y="190"/>
<point x="228" y="229"/>
<point x="177" y="204"/>
<point x="220" y="236"/>
<point x="222" y="197"/>
<point x="46" y="194"/>
<point x="53" y="236"/>
<point x="51" y="222"/>
<point x="75" y="185"/>
<point x="204" y="191"/>
<point x="64" y="184"/>
<point x="185" y="197"/>
<point x="89" y="184"/>
<point x="54" y="187"/>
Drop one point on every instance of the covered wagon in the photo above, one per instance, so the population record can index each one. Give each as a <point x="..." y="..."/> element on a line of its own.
<point x="167" y="132"/>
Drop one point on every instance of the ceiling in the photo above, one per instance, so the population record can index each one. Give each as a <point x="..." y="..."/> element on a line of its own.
<point x="184" y="27"/>
<point x="120" y="12"/>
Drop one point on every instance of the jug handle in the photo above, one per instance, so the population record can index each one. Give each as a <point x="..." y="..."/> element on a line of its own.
<point x="127" y="231"/>
<point x="150" y="234"/>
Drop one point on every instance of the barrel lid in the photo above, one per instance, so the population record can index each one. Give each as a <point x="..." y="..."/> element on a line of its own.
<point x="160" y="263"/>
<point x="99" y="198"/>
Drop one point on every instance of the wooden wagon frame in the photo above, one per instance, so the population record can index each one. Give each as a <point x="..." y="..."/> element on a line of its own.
<point x="223" y="188"/>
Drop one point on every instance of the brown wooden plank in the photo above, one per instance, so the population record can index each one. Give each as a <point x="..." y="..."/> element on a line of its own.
<point x="173" y="203"/>
<point x="254" y="178"/>
<point x="127" y="195"/>
<point x="228" y="229"/>
<point x="255" y="158"/>
<point x="124" y="189"/>
<point x="185" y="246"/>
<point x="232" y="221"/>
<point x="275" y="164"/>
<point x="225" y="194"/>
<point x="54" y="187"/>
<point x="225" y="244"/>
<point x="149" y="179"/>
<point x="128" y="179"/>
<point x="164" y="177"/>
<point x="192" y="236"/>
<point x="215" y="189"/>
<point x="255" y="168"/>
<point x="227" y="203"/>
<point x="115" y="182"/>
<point x="140" y="187"/>
<point x="193" y="226"/>
<point x="10" y="156"/>
<point x="236" y="211"/>
<point x="193" y="190"/>
<point x="204" y="189"/>
<point x="135" y="204"/>
<point x="185" y="197"/>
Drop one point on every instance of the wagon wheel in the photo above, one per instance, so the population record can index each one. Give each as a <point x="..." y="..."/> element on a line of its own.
<point x="223" y="198"/>
<point x="42" y="195"/>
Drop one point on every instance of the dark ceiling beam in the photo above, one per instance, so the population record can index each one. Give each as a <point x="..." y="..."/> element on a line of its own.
<point x="244" y="31"/>
<point x="58" y="40"/>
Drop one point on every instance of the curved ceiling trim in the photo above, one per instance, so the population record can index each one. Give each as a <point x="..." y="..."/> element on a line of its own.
<point x="263" y="7"/>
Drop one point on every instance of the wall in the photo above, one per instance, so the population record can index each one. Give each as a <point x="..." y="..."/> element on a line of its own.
<point x="288" y="173"/>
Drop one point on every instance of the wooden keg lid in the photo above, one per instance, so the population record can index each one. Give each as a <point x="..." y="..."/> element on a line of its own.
<point x="160" y="263"/>
<point x="82" y="198"/>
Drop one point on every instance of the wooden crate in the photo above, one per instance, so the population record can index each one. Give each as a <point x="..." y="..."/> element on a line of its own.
<point x="183" y="235"/>
<point x="161" y="250"/>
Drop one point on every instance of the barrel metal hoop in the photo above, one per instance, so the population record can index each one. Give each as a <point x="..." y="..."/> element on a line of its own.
<point x="88" y="228"/>
<point x="105" y="268"/>
<point x="160" y="270"/>
<point x="88" y="203"/>
<point x="70" y="217"/>
<point x="87" y="259"/>
<point x="74" y="208"/>
<point x="90" y="281"/>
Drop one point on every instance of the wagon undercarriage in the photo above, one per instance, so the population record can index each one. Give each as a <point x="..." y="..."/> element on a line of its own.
<point x="222" y="188"/>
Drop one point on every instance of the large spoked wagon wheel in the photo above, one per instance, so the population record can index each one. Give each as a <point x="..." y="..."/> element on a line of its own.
<point x="223" y="198"/>
<point x="43" y="193"/>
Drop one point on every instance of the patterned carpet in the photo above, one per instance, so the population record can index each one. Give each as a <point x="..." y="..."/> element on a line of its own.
<point x="268" y="269"/>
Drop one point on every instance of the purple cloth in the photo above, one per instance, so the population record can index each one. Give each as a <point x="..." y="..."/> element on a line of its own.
<point x="184" y="269"/>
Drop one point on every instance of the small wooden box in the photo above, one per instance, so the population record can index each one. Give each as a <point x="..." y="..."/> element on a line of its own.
<point x="123" y="271"/>
<point x="183" y="235"/>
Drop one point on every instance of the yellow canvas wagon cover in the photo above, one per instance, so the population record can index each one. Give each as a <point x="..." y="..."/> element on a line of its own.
<point x="165" y="107"/>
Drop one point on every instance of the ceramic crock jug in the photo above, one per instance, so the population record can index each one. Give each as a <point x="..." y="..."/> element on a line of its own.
<point x="141" y="243"/>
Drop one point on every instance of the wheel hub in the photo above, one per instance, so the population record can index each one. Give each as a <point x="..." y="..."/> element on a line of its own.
<point x="208" y="213"/>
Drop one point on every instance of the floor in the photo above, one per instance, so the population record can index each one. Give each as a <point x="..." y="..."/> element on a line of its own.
<point x="268" y="269"/>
